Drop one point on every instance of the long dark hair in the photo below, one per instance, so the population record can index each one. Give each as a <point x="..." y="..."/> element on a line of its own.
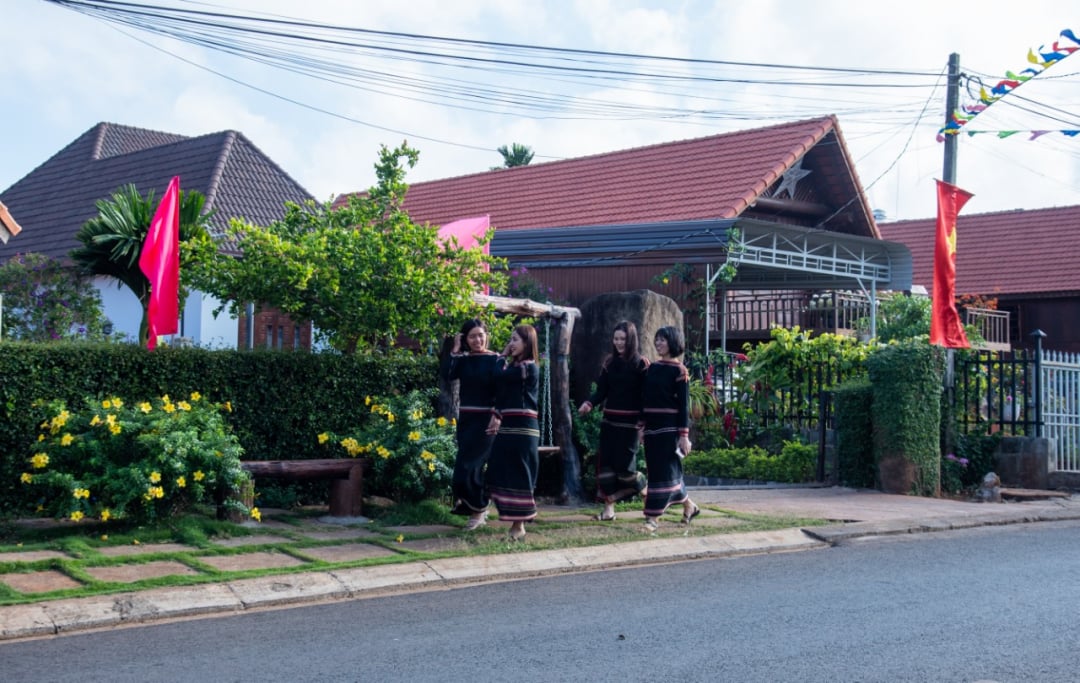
<point x="527" y="333"/>
<point x="674" y="340"/>
<point x="467" y="327"/>
<point x="632" y="355"/>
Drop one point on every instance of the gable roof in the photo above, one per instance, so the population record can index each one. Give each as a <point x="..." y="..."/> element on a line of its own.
<point x="1008" y="252"/>
<point x="55" y="199"/>
<point x="715" y="177"/>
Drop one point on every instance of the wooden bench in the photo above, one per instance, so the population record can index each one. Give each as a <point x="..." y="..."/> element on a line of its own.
<point x="346" y="478"/>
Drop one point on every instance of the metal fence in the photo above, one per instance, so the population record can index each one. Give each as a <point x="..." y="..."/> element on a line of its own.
<point x="1059" y="405"/>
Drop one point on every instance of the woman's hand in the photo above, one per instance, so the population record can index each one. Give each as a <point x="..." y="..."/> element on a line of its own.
<point x="493" y="425"/>
<point x="684" y="446"/>
<point x="457" y="343"/>
<point x="585" y="408"/>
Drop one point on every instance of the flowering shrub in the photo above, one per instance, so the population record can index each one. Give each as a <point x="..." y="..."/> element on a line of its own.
<point x="411" y="451"/>
<point x="139" y="462"/>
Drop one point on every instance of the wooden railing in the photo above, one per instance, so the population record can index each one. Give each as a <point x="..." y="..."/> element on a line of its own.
<point x="992" y="325"/>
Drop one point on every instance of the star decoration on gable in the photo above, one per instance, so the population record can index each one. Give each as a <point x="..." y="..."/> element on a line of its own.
<point x="790" y="180"/>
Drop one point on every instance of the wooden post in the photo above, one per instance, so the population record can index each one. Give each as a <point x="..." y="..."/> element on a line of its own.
<point x="562" y="428"/>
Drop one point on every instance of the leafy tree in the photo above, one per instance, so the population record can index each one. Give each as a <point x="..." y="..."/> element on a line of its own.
<point x="364" y="274"/>
<point x="44" y="301"/>
<point x="112" y="241"/>
<point x="514" y="155"/>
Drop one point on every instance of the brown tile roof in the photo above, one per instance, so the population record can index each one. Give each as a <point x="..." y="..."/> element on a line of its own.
<point x="8" y="226"/>
<point x="719" y="176"/>
<point x="56" y="198"/>
<point x="1008" y="252"/>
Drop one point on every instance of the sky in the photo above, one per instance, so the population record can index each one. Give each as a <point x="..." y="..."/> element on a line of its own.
<point x="63" y="72"/>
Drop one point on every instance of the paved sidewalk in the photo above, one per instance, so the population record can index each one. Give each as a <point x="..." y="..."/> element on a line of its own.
<point x="853" y="513"/>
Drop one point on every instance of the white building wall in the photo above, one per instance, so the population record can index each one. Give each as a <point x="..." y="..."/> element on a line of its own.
<point x="197" y="322"/>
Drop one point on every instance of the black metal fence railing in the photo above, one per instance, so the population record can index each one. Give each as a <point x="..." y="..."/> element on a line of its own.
<point x="995" y="392"/>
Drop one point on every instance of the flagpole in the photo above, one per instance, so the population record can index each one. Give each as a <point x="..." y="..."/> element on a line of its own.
<point x="948" y="174"/>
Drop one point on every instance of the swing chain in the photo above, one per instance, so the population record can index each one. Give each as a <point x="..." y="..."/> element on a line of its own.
<point x="545" y="388"/>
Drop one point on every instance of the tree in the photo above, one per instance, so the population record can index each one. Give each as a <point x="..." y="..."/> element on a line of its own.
<point x="515" y="155"/>
<point x="112" y="241"/>
<point x="364" y="274"/>
<point x="44" y="301"/>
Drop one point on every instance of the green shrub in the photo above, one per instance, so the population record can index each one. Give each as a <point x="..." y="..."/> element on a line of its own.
<point x="794" y="464"/>
<point x="411" y="451"/>
<point x="138" y="462"/>
<point x="854" y="433"/>
<point x="973" y="458"/>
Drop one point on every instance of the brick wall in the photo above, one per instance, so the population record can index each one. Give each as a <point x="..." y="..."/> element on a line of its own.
<point x="275" y="330"/>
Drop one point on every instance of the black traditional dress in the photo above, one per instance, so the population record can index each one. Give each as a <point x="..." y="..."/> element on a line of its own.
<point x="476" y="399"/>
<point x="515" y="460"/>
<point x="667" y="417"/>
<point x="619" y="388"/>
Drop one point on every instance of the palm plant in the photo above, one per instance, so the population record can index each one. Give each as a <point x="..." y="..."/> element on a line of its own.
<point x="515" y="155"/>
<point x="112" y="241"/>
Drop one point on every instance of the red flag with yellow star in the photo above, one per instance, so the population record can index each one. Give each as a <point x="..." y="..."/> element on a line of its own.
<point x="945" y="327"/>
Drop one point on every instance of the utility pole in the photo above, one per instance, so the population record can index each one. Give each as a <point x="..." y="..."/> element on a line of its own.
<point x="948" y="174"/>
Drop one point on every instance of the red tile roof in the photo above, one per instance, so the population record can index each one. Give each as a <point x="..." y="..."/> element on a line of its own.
<point x="718" y="176"/>
<point x="1009" y="252"/>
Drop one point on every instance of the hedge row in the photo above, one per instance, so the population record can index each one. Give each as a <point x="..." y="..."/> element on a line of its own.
<point x="280" y="401"/>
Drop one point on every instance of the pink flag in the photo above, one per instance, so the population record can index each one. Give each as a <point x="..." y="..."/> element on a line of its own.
<point x="160" y="262"/>
<point x="468" y="231"/>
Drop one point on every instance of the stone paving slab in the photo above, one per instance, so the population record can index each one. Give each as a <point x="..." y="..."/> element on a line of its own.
<point x="423" y="529"/>
<point x="39" y="582"/>
<point x="129" y="573"/>
<point x="338" y="534"/>
<point x="33" y="556"/>
<point x="258" y="539"/>
<point x="438" y="544"/>
<point x="347" y="552"/>
<point x="144" y="549"/>
<point x="260" y="560"/>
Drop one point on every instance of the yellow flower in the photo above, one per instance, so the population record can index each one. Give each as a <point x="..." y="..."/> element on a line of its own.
<point x="665" y="281"/>
<point x="110" y="419"/>
<point x="40" y="437"/>
<point x="134" y="541"/>
<point x="352" y="446"/>
<point x="195" y="396"/>
<point x="105" y="515"/>
<point x="256" y="515"/>
<point x="66" y="440"/>
<point x="106" y="404"/>
<point x="156" y="492"/>
<point x="427" y="455"/>
<point x="115" y="429"/>
<point x="324" y="437"/>
<point x="198" y="475"/>
<point x="26" y="478"/>
<point x="155" y="477"/>
<point x="166" y="399"/>
<point x="104" y="537"/>
<point x="77" y="515"/>
<point x="431" y="467"/>
<point x="145" y="407"/>
<point x="390" y="416"/>
<point x="117" y="403"/>
<point x="96" y="421"/>
<point x="414" y="436"/>
<point x="453" y="421"/>
<point x="181" y="482"/>
<point x="168" y="407"/>
<point x="81" y="493"/>
<point x="383" y="452"/>
<point x="39" y="461"/>
<point x="367" y="400"/>
<point x="441" y="422"/>
<point x="183" y="405"/>
<point x="417" y="414"/>
<point x="228" y="406"/>
<point x="399" y="538"/>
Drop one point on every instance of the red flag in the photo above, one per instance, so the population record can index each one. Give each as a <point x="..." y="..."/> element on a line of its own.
<point x="467" y="232"/>
<point x="945" y="327"/>
<point x="160" y="262"/>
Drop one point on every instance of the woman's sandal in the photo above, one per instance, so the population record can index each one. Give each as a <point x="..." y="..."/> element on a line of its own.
<point x="520" y="536"/>
<point x="689" y="516"/>
<point x="652" y="524"/>
<point x="602" y="518"/>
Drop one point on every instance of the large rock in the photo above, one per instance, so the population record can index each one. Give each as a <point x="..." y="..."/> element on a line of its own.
<point x="591" y="342"/>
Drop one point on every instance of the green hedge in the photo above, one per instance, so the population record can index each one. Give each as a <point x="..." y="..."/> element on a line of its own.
<point x="795" y="463"/>
<point x="854" y="433"/>
<point x="906" y="408"/>
<point x="280" y="401"/>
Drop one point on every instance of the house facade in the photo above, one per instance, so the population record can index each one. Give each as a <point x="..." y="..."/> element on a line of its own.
<point x="54" y="200"/>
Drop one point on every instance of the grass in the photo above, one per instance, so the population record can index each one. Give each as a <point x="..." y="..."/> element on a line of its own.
<point x="82" y="544"/>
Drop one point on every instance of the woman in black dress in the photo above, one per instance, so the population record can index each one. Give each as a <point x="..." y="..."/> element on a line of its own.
<point x="667" y="429"/>
<point x="473" y="365"/>
<point x="515" y="458"/>
<point x="619" y="388"/>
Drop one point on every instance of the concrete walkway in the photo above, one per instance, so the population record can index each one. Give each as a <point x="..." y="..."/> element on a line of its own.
<point x="853" y="513"/>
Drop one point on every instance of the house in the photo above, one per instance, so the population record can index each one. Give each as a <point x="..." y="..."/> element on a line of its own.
<point x="1026" y="259"/>
<point x="238" y="180"/>
<point x="618" y="221"/>
<point x="8" y="226"/>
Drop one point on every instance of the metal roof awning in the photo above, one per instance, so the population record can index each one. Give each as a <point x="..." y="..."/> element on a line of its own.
<point x="769" y="255"/>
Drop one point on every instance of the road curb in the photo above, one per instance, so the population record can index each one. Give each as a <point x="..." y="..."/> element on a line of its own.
<point x="836" y="533"/>
<point x="143" y="607"/>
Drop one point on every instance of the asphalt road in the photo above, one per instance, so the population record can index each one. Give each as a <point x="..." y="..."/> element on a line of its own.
<point x="985" y="604"/>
